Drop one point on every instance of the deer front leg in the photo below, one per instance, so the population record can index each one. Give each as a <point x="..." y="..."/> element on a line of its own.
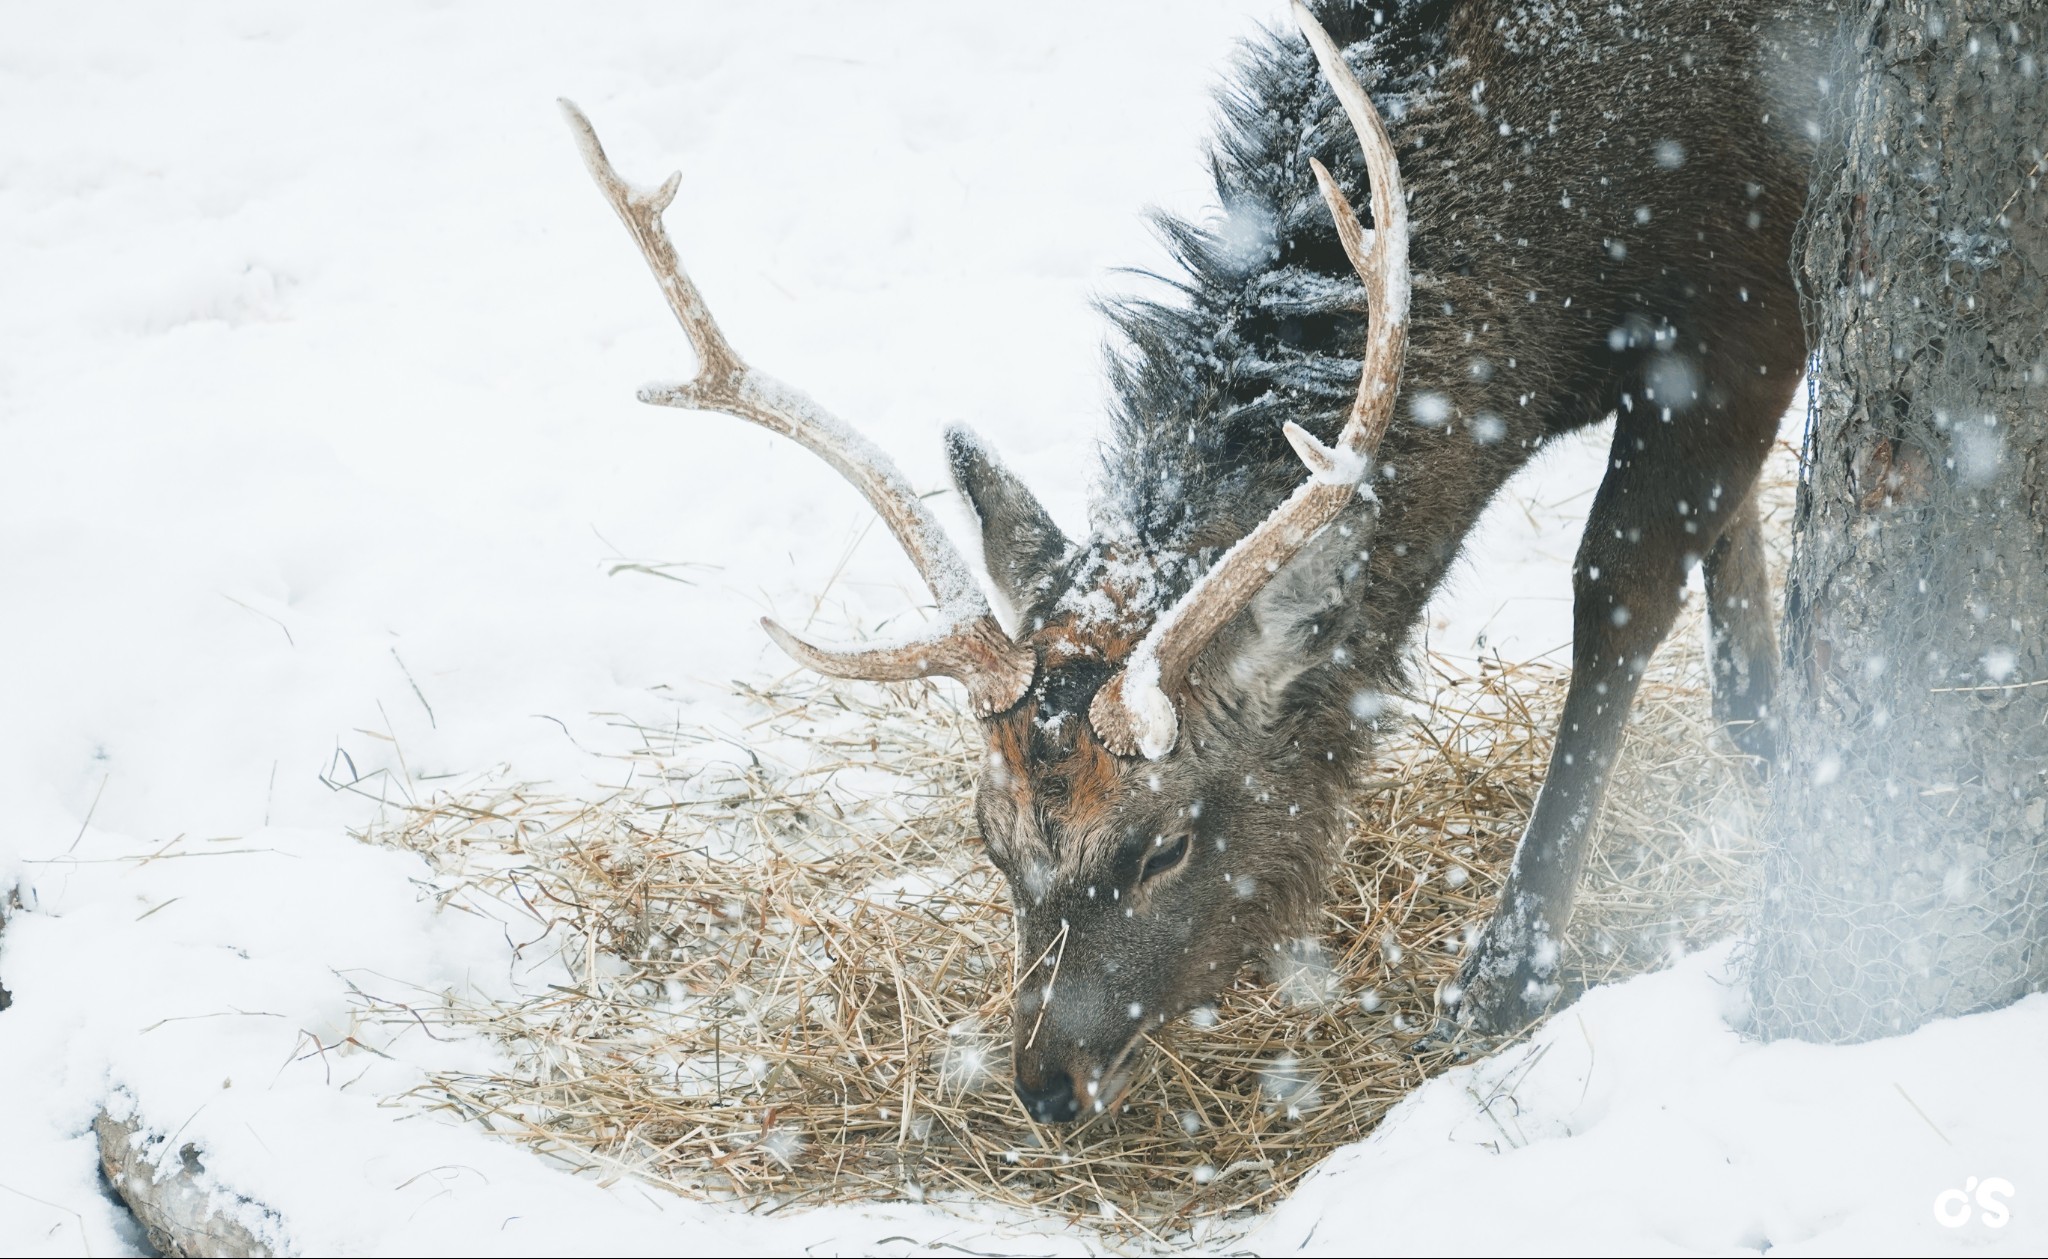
<point x="1660" y="508"/>
<point x="1510" y="977"/>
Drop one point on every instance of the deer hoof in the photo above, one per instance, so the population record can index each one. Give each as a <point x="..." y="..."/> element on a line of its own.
<point x="1499" y="994"/>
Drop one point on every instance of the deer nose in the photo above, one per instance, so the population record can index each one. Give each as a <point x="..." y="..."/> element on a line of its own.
<point x="1051" y="1102"/>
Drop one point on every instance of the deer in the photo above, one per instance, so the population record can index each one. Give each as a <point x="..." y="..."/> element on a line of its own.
<point x="1574" y="212"/>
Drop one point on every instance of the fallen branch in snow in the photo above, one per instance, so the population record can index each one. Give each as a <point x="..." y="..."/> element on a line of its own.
<point x="179" y="1205"/>
<point x="8" y="904"/>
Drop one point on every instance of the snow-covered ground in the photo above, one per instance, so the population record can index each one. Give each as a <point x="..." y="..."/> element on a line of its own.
<point x="320" y="462"/>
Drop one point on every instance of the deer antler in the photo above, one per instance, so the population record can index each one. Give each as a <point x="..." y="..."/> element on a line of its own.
<point x="1133" y="712"/>
<point x="968" y="643"/>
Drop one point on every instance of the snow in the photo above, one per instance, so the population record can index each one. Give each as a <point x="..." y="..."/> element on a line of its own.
<point x="1636" y="1122"/>
<point x="1151" y="709"/>
<point x="324" y="484"/>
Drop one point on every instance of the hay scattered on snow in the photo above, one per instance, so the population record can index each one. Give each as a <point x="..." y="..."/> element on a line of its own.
<point x="792" y="967"/>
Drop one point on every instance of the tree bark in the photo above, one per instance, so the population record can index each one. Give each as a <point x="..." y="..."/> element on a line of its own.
<point x="1907" y="869"/>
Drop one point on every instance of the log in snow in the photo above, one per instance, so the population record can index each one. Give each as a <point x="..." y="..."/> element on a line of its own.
<point x="180" y="1207"/>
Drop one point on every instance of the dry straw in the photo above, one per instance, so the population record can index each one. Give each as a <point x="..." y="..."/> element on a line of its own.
<point x="791" y="966"/>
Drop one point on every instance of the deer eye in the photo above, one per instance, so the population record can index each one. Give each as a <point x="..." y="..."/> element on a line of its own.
<point x="1165" y="856"/>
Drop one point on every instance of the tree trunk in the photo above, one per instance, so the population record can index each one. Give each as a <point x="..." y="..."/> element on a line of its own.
<point x="1907" y="869"/>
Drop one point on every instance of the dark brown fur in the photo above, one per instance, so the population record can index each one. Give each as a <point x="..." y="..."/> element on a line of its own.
<point x="1602" y="198"/>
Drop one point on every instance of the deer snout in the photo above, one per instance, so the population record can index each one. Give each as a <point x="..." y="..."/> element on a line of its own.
<point x="1051" y="1099"/>
<point x="1069" y="1068"/>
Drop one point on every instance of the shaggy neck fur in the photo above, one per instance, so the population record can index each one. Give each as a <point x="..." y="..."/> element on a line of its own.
<point x="1543" y="218"/>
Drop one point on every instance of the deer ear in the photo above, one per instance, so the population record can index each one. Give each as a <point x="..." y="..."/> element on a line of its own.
<point x="1024" y="550"/>
<point x="1293" y="624"/>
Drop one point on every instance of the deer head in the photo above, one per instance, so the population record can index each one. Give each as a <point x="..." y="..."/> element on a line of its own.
<point x="1158" y="815"/>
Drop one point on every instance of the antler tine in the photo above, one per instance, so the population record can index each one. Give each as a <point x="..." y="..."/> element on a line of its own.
<point x="1133" y="713"/>
<point x="968" y="644"/>
<point x="965" y="651"/>
<point x="1381" y="262"/>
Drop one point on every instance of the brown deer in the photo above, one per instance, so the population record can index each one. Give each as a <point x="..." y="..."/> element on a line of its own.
<point x="1595" y="221"/>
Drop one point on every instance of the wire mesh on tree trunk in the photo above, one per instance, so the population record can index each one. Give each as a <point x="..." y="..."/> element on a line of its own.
<point x="1907" y="869"/>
